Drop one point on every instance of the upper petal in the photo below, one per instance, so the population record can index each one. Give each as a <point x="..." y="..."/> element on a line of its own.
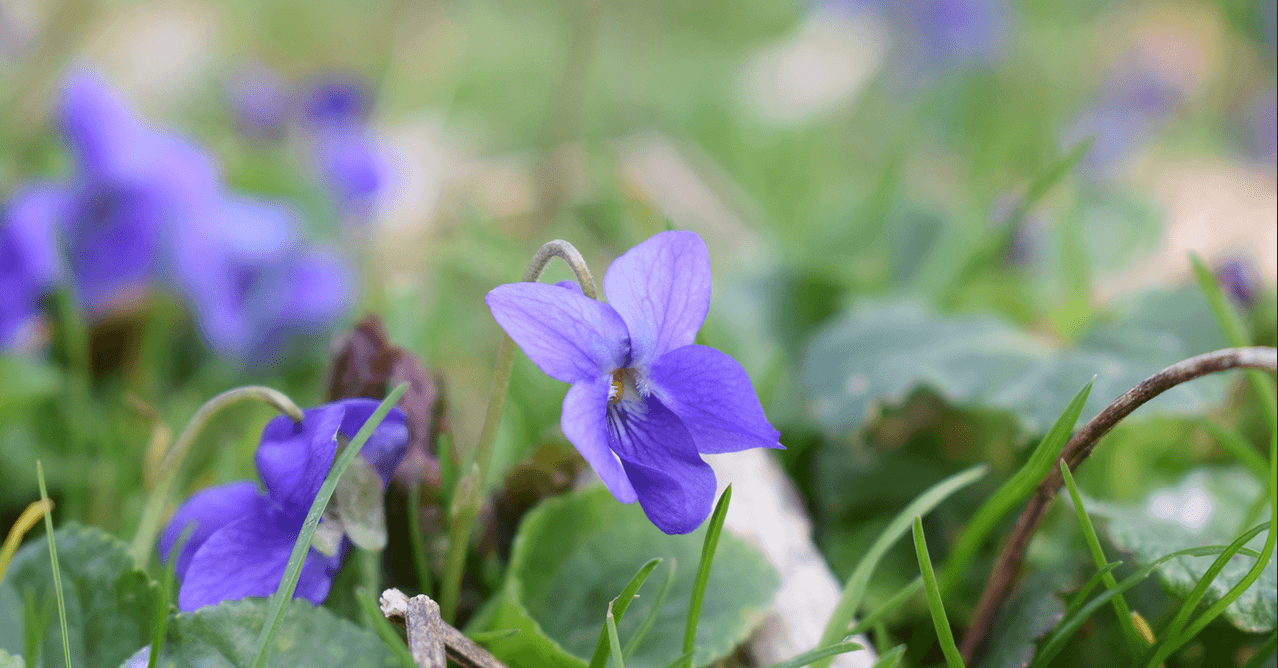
<point x="247" y="558"/>
<point x="208" y="510"/>
<point x="99" y="125"/>
<point x="294" y="458"/>
<point x="585" y="423"/>
<point x="661" y="288"/>
<point x="675" y="487"/>
<point x="713" y="396"/>
<point x="567" y="335"/>
<point x="389" y="442"/>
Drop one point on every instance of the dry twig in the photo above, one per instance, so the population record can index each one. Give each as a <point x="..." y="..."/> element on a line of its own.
<point x="430" y="638"/>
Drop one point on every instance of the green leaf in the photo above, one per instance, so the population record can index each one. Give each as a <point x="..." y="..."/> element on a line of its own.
<point x="879" y="353"/>
<point x="225" y="635"/>
<point x="1209" y="506"/>
<point x="110" y="604"/>
<point x="573" y="553"/>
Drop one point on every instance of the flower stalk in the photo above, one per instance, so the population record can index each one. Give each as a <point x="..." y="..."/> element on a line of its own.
<point x="166" y="472"/>
<point x="465" y="506"/>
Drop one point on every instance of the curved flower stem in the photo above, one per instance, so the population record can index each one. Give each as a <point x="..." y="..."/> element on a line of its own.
<point x="466" y="506"/>
<point x="166" y="472"/>
<point x="999" y="585"/>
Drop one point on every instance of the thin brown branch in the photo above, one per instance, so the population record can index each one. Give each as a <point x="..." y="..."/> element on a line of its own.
<point x="1007" y="567"/>
<point x="430" y="638"/>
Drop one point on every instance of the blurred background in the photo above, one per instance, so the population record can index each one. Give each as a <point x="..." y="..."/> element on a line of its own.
<point x="879" y="183"/>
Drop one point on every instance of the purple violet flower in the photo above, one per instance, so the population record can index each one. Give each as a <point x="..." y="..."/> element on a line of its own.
<point x="645" y="401"/>
<point x="261" y="101"/>
<point x="1240" y="281"/>
<point x="346" y="155"/>
<point x="242" y="537"/>
<point x="253" y="283"/>
<point x="1127" y="114"/>
<point x="28" y="258"/>
<point x="134" y="188"/>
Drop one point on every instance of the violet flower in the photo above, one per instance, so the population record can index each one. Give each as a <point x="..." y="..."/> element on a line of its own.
<point x="1240" y="280"/>
<point x="252" y="282"/>
<point x="1124" y="118"/>
<point x="134" y="188"/>
<point x="242" y="537"/>
<point x="645" y="401"/>
<point x="346" y="155"/>
<point x="28" y="258"/>
<point x="261" y="102"/>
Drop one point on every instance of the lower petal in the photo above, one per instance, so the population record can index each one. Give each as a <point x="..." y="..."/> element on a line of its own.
<point x="585" y="424"/>
<point x="713" y="396"/>
<point x="248" y="558"/>
<point x="675" y="487"/>
<point x="207" y="511"/>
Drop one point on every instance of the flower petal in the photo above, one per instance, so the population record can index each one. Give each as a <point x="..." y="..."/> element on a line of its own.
<point x="248" y="558"/>
<point x="294" y="458"/>
<point x="713" y="396"/>
<point x="209" y="510"/>
<point x="661" y="288"/>
<point x="585" y="423"/>
<point x="675" y="487"/>
<point x="389" y="442"/>
<point x="568" y="336"/>
<point x="99" y="125"/>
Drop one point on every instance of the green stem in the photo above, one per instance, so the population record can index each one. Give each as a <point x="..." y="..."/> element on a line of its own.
<point x="465" y="507"/>
<point x="166" y="474"/>
<point x="418" y="541"/>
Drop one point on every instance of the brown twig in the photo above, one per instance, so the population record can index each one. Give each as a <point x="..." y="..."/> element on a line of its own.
<point x="1007" y="567"/>
<point x="430" y="638"/>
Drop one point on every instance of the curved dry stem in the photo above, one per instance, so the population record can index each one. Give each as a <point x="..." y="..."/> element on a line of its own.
<point x="999" y="585"/>
<point x="166" y="472"/>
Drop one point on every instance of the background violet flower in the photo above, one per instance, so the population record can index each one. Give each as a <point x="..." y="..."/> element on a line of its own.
<point x="28" y="258"/>
<point x="645" y="401"/>
<point x="242" y="538"/>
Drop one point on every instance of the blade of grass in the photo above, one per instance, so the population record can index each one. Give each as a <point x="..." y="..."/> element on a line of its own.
<point x="886" y="609"/>
<point x="1190" y="604"/>
<point x="275" y="610"/>
<point x="384" y="629"/>
<point x="642" y="632"/>
<point x="1135" y="642"/>
<point x="818" y="654"/>
<point x="1092" y="583"/>
<point x="610" y="625"/>
<point x="1263" y="652"/>
<point x="703" y="571"/>
<point x="418" y="542"/>
<point x="1055" y="642"/>
<point x="164" y="598"/>
<point x="934" y="603"/>
<point x="683" y="658"/>
<point x="1012" y="493"/>
<point x="35" y="623"/>
<point x="1232" y="326"/>
<point x="854" y="590"/>
<point x="891" y="658"/>
<point x="491" y="636"/>
<point x="53" y="560"/>
<point x="618" y="608"/>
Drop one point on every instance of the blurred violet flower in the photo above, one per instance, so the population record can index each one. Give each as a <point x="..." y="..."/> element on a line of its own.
<point x="29" y="263"/>
<point x="261" y="102"/>
<point x="242" y="537"/>
<point x="1124" y="118"/>
<point x="346" y="154"/>
<point x="645" y="400"/>
<point x="133" y="189"/>
<point x="1240" y="281"/>
<point x="253" y="283"/>
<point x="958" y="32"/>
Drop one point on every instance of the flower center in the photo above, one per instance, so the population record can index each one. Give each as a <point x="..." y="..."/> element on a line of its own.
<point x="626" y="384"/>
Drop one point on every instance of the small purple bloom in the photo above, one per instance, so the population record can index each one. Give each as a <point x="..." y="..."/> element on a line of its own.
<point x="134" y="187"/>
<point x="261" y="102"/>
<point x="1123" y="119"/>
<point x="645" y="400"/>
<point x="1240" y="281"/>
<point x="346" y="155"/>
<point x="1262" y="126"/>
<point x="960" y="32"/>
<point x="28" y="258"/>
<point x="253" y="283"/>
<point x="242" y="537"/>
